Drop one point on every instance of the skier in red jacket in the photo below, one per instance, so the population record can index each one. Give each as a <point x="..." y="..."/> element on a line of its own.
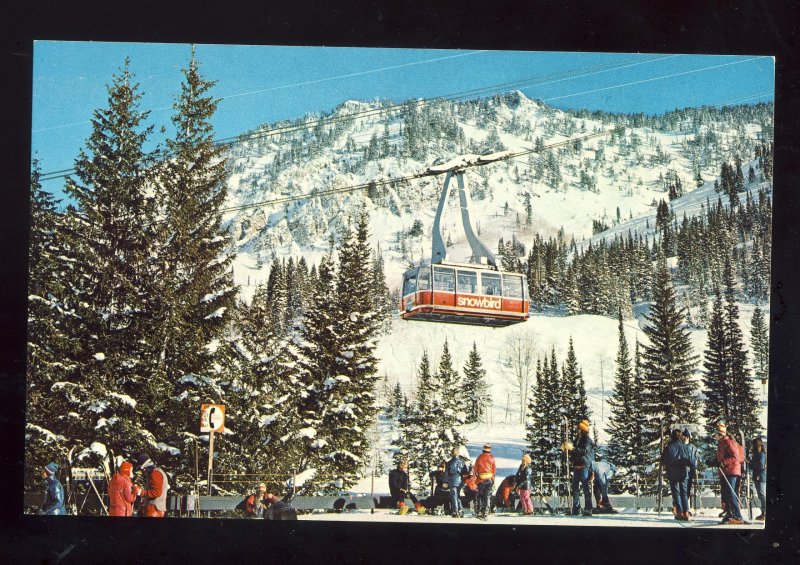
<point x="122" y="492"/>
<point x="485" y="469"/>
<point x="730" y="459"/>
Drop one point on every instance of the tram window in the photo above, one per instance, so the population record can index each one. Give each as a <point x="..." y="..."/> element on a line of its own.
<point x="490" y="284"/>
<point x="512" y="286"/>
<point x="443" y="279"/>
<point x="410" y="285"/>
<point x="467" y="282"/>
<point x="424" y="280"/>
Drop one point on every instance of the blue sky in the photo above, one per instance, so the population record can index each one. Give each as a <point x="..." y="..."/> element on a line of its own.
<point x="259" y="84"/>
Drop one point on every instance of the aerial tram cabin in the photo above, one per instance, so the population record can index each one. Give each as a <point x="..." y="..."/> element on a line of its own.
<point x="462" y="293"/>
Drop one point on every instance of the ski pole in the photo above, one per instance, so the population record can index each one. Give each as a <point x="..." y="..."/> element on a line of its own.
<point x="736" y="496"/>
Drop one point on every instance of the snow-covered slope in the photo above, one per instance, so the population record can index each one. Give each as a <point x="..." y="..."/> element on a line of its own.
<point x="613" y="178"/>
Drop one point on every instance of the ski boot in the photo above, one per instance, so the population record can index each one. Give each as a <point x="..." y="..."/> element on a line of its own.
<point x="587" y="512"/>
<point x="403" y="510"/>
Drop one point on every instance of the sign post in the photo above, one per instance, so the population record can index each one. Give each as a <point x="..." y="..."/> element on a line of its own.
<point x="212" y="420"/>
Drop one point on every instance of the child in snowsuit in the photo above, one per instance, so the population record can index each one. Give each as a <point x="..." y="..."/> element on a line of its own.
<point x="603" y="472"/>
<point x="758" y="466"/>
<point x="455" y="471"/>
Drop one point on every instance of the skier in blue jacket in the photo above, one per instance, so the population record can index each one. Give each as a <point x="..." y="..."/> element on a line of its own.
<point x="454" y="473"/>
<point x="54" y="492"/>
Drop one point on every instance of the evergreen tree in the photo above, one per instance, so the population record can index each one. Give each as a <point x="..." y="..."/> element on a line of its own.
<point x="451" y="414"/>
<point x="475" y="387"/>
<point x="195" y="283"/>
<point x="113" y="386"/>
<point x="573" y="388"/>
<point x="624" y="414"/>
<point x="668" y="391"/>
<point x="51" y="323"/>
<point x="759" y="340"/>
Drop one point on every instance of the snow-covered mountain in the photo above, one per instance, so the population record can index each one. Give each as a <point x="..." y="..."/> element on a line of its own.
<point x="616" y="178"/>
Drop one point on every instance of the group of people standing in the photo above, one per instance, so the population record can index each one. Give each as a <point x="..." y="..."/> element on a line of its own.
<point x="450" y="477"/>
<point x="122" y="491"/>
<point x="680" y="458"/>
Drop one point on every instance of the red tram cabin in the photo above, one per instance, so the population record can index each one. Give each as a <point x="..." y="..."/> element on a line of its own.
<point x="464" y="294"/>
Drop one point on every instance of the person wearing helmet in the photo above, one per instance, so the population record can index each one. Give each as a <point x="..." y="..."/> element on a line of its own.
<point x="122" y="492"/>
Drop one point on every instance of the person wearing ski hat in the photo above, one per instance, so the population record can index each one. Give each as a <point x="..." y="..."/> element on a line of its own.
<point x="730" y="460"/>
<point x="485" y="470"/>
<point x="400" y="488"/>
<point x="277" y="509"/>
<point x="122" y="492"/>
<point x="154" y="493"/>
<point x="582" y="457"/>
<point x="254" y="505"/>
<point x="53" y="493"/>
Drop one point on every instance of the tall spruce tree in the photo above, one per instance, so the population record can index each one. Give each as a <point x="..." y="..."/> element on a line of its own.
<point x="451" y="415"/>
<point x="624" y="413"/>
<point x="668" y="391"/>
<point x="744" y="407"/>
<point x="114" y="388"/>
<point x="51" y="324"/>
<point x="573" y="388"/>
<point x="475" y="388"/>
<point x="759" y="343"/>
<point x="194" y="267"/>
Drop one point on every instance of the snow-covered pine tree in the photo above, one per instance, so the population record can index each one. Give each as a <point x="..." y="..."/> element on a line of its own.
<point x="475" y="388"/>
<point x="624" y="415"/>
<point x="196" y="289"/>
<point x="314" y="352"/>
<point x="51" y="320"/>
<point x="420" y="441"/>
<point x="113" y="396"/>
<point x="759" y="345"/>
<point x="453" y="410"/>
<point x="350" y="390"/>
<point x="384" y="303"/>
<point x="743" y="412"/>
<point x="668" y="391"/>
<point x="573" y="388"/>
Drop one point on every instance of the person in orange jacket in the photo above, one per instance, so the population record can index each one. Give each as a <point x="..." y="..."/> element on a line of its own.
<point x="485" y="470"/>
<point x="122" y="492"/>
<point x="154" y="495"/>
<point x="503" y="495"/>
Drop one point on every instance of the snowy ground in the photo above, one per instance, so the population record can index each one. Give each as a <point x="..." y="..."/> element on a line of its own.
<point x="708" y="518"/>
